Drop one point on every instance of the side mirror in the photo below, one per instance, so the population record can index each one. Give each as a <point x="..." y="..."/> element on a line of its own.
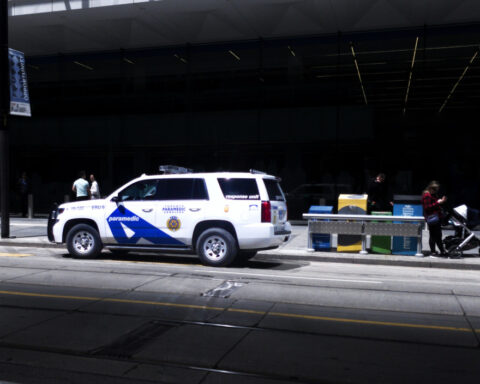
<point x="115" y="199"/>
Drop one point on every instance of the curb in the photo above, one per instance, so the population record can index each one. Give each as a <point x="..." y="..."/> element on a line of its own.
<point x="30" y="245"/>
<point x="408" y="261"/>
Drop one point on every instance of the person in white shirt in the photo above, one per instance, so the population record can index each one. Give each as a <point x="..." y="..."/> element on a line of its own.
<point x="81" y="187"/>
<point x="94" y="188"/>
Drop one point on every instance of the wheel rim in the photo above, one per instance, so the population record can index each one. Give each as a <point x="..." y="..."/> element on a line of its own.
<point x="215" y="248"/>
<point x="83" y="242"/>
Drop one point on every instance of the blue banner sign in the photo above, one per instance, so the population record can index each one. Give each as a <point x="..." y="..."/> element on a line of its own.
<point x="19" y="97"/>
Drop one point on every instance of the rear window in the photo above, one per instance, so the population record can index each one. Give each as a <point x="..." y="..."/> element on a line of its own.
<point x="274" y="190"/>
<point x="239" y="189"/>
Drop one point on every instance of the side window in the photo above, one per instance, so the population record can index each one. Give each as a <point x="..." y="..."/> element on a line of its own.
<point x="141" y="190"/>
<point x="239" y="189"/>
<point x="181" y="189"/>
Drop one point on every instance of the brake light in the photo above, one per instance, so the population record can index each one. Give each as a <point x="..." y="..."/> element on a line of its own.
<point x="266" y="212"/>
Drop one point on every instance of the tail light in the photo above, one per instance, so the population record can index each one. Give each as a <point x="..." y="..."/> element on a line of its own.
<point x="266" y="212"/>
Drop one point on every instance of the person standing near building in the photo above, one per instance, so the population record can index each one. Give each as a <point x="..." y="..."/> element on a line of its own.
<point x="378" y="195"/>
<point x="94" y="188"/>
<point x="23" y="186"/>
<point x="81" y="187"/>
<point x="433" y="216"/>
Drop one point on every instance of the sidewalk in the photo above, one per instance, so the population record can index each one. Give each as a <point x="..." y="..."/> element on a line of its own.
<point x="32" y="233"/>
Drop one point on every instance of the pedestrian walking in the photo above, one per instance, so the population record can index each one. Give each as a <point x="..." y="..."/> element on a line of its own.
<point x="433" y="216"/>
<point x="94" y="188"/>
<point x="23" y="186"/>
<point x="81" y="187"/>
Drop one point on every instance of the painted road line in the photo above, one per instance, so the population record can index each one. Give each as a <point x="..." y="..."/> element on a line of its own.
<point x="2" y="254"/>
<point x="205" y="270"/>
<point x="248" y="311"/>
<point x="290" y="277"/>
<point x="216" y="271"/>
<point x="372" y="322"/>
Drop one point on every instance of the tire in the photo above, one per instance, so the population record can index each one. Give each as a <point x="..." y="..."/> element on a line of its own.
<point x="83" y="242"/>
<point x="216" y="247"/>
<point x="247" y="255"/>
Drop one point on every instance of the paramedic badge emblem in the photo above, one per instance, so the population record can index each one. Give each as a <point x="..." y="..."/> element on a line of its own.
<point x="174" y="223"/>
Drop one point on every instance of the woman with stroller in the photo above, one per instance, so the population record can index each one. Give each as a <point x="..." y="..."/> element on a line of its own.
<point x="433" y="216"/>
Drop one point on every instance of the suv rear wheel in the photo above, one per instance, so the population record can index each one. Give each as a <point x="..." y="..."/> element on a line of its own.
<point x="83" y="242"/>
<point x="217" y="247"/>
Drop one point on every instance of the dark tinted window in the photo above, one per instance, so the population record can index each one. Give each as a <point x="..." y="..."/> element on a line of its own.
<point x="274" y="191"/>
<point x="239" y="189"/>
<point x="181" y="189"/>
<point x="141" y="190"/>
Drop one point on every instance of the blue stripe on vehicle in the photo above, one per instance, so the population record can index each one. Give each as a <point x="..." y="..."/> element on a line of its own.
<point x="140" y="227"/>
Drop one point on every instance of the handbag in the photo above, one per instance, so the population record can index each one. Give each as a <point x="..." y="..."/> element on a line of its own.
<point x="433" y="219"/>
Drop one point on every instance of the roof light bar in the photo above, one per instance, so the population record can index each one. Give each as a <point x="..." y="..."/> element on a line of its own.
<point x="458" y="81"/>
<point x="410" y="76"/>
<point x="173" y="169"/>
<point x="257" y="172"/>
<point x="358" y="73"/>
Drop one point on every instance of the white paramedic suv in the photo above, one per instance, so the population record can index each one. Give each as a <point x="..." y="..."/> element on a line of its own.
<point x="219" y="216"/>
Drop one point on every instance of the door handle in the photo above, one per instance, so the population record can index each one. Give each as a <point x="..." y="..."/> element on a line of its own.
<point x="194" y="209"/>
<point x="147" y="210"/>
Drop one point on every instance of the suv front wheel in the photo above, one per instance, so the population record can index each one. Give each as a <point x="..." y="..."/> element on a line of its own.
<point x="217" y="247"/>
<point x="83" y="242"/>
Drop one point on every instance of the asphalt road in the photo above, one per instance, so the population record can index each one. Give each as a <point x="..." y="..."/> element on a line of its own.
<point x="140" y="318"/>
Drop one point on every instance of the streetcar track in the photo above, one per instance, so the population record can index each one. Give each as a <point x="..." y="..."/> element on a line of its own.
<point x="71" y="353"/>
<point x="98" y="355"/>
<point x="227" y="309"/>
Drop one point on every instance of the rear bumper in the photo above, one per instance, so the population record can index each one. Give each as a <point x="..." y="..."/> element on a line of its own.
<point x="263" y="236"/>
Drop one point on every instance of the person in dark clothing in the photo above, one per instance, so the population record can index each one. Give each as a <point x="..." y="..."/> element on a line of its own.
<point x="23" y="186"/>
<point x="433" y="215"/>
<point x="378" y="195"/>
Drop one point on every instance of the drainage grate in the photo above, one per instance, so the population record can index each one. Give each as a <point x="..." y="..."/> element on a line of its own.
<point x="129" y="344"/>
<point x="224" y="290"/>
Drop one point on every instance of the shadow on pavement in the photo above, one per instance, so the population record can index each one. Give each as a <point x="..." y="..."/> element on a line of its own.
<point x="192" y="260"/>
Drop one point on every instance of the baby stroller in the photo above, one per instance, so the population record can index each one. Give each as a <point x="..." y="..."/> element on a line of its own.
<point x="464" y="220"/>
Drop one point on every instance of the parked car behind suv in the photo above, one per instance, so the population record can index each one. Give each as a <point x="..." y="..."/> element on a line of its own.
<point x="219" y="216"/>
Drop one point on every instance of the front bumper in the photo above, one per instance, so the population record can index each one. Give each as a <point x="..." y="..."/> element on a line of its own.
<point x="52" y="220"/>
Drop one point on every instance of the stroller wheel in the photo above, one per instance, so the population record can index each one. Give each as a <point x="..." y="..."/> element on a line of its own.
<point x="454" y="255"/>
<point x="453" y="252"/>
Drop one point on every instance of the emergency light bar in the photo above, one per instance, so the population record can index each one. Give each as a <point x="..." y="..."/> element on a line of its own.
<point x="173" y="169"/>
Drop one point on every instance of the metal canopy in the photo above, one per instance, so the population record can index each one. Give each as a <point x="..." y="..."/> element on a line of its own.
<point x="42" y="27"/>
